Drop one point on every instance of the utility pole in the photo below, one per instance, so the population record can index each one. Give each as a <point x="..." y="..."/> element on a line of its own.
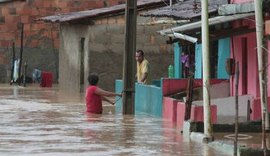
<point x="262" y="70"/>
<point x="129" y="61"/>
<point x="261" y="63"/>
<point x="206" y="71"/>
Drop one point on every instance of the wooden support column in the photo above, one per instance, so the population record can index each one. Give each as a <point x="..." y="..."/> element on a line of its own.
<point x="129" y="60"/>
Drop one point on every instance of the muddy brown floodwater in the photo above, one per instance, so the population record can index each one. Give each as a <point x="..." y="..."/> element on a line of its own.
<point x="38" y="121"/>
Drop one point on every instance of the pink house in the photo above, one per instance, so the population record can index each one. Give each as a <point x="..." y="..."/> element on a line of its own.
<point x="243" y="50"/>
<point x="232" y="35"/>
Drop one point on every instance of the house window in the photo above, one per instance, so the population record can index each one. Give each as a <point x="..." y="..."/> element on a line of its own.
<point x="244" y="65"/>
<point x="213" y="58"/>
<point x="12" y="11"/>
<point x="82" y="43"/>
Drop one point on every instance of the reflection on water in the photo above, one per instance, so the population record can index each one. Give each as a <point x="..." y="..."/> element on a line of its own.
<point x="252" y="140"/>
<point x="39" y="121"/>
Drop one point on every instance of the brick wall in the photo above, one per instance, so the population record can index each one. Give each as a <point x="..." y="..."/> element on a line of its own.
<point x="107" y="52"/>
<point x="104" y="49"/>
<point x="36" y="35"/>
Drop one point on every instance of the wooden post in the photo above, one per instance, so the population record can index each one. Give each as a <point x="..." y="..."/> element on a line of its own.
<point x="262" y="71"/>
<point x="189" y="98"/>
<point x="129" y="60"/>
<point x="236" y="109"/>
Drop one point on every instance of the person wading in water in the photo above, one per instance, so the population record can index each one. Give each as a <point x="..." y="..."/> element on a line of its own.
<point x="95" y="95"/>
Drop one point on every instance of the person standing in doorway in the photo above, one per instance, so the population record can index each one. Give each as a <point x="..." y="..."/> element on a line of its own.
<point x="95" y="95"/>
<point x="185" y="60"/>
<point x="143" y="68"/>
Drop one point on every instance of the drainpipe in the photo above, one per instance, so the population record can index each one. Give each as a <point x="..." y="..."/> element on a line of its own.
<point x="262" y="70"/>
<point x="185" y="37"/>
<point x="21" y="53"/>
<point x="13" y="61"/>
<point x="206" y="72"/>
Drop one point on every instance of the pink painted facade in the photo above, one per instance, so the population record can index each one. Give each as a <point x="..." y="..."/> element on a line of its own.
<point x="243" y="49"/>
<point x="174" y="110"/>
<point x="169" y="109"/>
<point x="196" y="114"/>
<point x="256" y="109"/>
<point x="171" y="86"/>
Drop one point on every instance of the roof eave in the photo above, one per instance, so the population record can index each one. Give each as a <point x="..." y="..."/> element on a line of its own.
<point x="100" y="13"/>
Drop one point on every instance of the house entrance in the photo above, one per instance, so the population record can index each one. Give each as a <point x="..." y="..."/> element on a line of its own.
<point x="82" y="64"/>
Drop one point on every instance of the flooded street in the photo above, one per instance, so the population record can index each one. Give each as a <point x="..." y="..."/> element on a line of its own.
<point x="38" y="121"/>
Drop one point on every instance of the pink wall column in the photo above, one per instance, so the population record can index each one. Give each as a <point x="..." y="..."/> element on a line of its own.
<point x="256" y="109"/>
<point x="169" y="109"/>
<point x="253" y="75"/>
<point x="252" y="82"/>
<point x="197" y="113"/>
<point x="180" y="115"/>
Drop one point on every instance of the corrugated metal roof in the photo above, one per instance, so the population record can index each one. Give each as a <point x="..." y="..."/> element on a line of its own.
<point x="231" y="9"/>
<point x="187" y="9"/>
<point x="72" y="16"/>
<point x="212" y="21"/>
<point x="5" y="1"/>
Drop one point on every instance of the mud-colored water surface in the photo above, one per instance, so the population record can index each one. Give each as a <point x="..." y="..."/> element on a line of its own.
<point x="38" y="121"/>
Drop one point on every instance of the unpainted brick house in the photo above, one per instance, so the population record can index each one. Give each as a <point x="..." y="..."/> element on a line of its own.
<point x="93" y="41"/>
<point x="41" y="40"/>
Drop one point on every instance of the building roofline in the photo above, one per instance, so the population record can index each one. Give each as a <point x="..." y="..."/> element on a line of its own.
<point x="101" y="12"/>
